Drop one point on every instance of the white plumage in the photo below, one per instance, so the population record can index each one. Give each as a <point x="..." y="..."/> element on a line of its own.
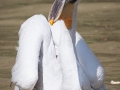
<point x="74" y="77"/>
<point x="89" y="62"/>
<point x="34" y="40"/>
<point x="55" y="57"/>
<point x="94" y="73"/>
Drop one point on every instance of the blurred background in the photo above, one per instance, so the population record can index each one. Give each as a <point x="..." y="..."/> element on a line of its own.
<point x="98" y="23"/>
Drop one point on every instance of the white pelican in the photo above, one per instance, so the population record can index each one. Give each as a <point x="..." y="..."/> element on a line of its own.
<point x="91" y="65"/>
<point x="36" y="47"/>
<point x="36" y="64"/>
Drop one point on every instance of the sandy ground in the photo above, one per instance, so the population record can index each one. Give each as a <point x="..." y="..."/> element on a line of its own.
<point x="98" y="23"/>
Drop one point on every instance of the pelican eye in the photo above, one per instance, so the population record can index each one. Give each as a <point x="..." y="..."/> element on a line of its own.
<point x="72" y="1"/>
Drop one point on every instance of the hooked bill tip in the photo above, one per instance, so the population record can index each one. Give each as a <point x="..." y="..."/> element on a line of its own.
<point x="51" y="22"/>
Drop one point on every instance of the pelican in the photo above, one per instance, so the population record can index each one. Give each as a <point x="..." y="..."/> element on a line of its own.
<point x="89" y="62"/>
<point x="51" y="55"/>
<point x="36" y="62"/>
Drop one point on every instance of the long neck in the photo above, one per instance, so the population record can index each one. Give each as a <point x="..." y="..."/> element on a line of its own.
<point x="68" y="60"/>
<point x="74" y="23"/>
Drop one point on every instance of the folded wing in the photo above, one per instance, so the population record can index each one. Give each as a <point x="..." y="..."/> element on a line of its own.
<point x="31" y="35"/>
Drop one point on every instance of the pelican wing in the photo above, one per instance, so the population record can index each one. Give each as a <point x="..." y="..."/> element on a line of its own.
<point x="74" y="77"/>
<point x="90" y="63"/>
<point x="52" y="76"/>
<point x="31" y="34"/>
<point x="91" y="66"/>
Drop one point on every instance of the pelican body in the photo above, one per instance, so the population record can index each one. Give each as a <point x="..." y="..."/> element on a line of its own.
<point x="36" y="64"/>
<point x="53" y="56"/>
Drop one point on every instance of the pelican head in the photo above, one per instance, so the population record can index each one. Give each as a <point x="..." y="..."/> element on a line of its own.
<point x="62" y="10"/>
